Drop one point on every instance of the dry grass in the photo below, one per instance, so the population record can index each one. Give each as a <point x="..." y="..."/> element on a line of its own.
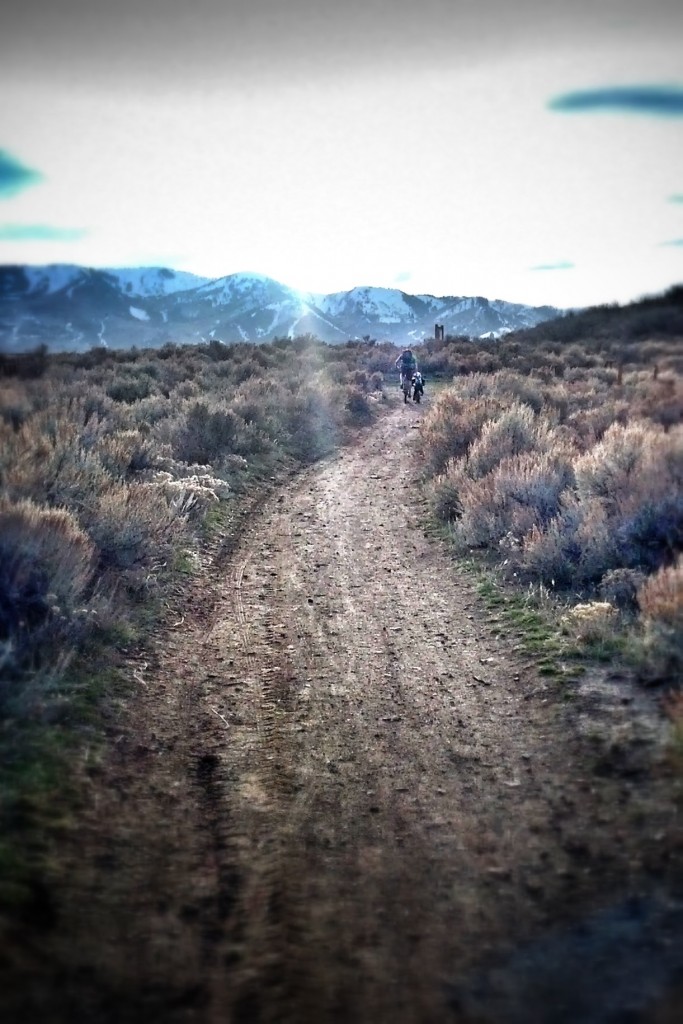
<point x="590" y="622"/>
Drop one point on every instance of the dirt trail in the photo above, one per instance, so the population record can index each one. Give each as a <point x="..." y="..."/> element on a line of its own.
<point x="343" y="797"/>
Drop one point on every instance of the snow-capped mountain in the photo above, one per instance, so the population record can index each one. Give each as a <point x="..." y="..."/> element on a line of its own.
<point x="150" y="281"/>
<point x="136" y="281"/>
<point x="376" y="305"/>
<point x="70" y="307"/>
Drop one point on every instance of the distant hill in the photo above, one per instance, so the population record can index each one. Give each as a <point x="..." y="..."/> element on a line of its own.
<point x="73" y="308"/>
<point x="652" y="317"/>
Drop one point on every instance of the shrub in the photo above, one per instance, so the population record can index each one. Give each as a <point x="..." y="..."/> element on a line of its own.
<point x="46" y="564"/>
<point x="608" y="470"/>
<point x="482" y="521"/>
<point x="312" y="425"/>
<point x="590" y="622"/>
<point x="358" y="407"/>
<point x="207" y="433"/>
<point x="133" y="526"/>
<point x="521" y="493"/>
<point x="25" y="365"/>
<point x="620" y="587"/>
<point x="445" y="494"/>
<point x="192" y="495"/>
<point x="130" y="389"/>
<point x="638" y="471"/>
<point x="661" y="603"/>
<point x="661" y="596"/>
<point x="126" y="453"/>
<point x="651" y="530"/>
<point x="510" y="432"/>
<point x="50" y="460"/>
<point x="15" y="407"/>
<point x="625" y="511"/>
<point x="450" y="426"/>
<point x="575" y="548"/>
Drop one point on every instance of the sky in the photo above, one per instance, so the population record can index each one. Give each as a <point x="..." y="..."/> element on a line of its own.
<point x="528" y="151"/>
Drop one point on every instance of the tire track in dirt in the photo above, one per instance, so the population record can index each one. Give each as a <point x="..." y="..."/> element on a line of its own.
<point x="269" y="924"/>
<point x="343" y="794"/>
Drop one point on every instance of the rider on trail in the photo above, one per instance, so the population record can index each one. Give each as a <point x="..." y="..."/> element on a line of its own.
<point x="407" y="365"/>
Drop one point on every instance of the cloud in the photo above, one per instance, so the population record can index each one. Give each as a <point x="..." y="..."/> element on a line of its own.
<point x="560" y="265"/>
<point x="673" y="241"/>
<point x="402" y="277"/>
<point x="654" y="100"/>
<point x="14" y="176"/>
<point x="39" y="233"/>
<point x="676" y="199"/>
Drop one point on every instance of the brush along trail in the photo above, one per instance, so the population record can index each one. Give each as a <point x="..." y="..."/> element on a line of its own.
<point x="341" y="794"/>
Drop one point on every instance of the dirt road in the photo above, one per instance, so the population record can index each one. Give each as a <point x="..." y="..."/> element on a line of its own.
<point x="342" y="796"/>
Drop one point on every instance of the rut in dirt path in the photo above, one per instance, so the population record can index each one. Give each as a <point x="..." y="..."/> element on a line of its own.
<point x="349" y="797"/>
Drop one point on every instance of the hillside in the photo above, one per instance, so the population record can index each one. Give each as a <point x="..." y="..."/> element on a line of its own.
<point x="72" y="308"/>
<point x="652" y="317"/>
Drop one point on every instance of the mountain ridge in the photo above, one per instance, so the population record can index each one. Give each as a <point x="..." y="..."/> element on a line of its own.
<point x="67" y="306"/>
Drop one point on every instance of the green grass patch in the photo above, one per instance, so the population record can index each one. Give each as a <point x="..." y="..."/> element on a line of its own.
<point x="532" y="618"/>
<point x="184" y="563"/>
<point x="216" y="519"/>
<point x="606" y="649"/>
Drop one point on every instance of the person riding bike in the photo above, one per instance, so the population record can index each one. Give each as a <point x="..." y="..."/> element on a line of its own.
<point x="406" y="364"/>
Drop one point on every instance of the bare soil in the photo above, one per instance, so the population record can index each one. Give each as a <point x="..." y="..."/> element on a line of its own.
<point x="341" y="794"/>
